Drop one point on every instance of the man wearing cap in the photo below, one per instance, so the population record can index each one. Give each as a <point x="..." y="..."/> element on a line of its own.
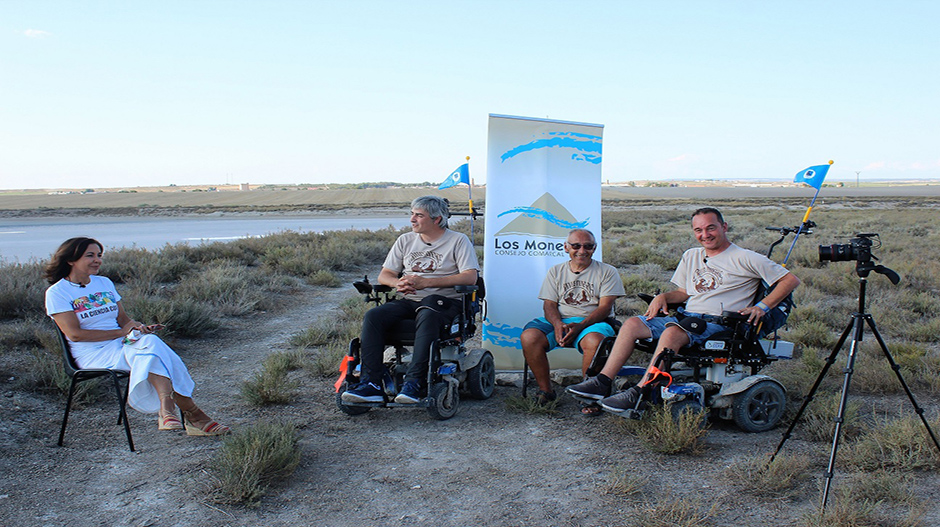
<point x="577" y="301"/>
<point x="718" y="276"/>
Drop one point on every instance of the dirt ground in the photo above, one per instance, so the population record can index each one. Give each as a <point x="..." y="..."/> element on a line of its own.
<point x="486" y="466"/>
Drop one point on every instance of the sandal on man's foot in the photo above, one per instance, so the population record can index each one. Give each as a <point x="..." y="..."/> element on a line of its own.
<point x="169" y="422"/>
<point x="591" y="410"/>
<point x="543" y="398"/>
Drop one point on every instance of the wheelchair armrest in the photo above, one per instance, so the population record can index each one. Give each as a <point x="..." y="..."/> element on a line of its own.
<point x="464" y="289"/>
<point x="649" y="299"/>
<point x="733" y="316"/>
<point x="381" y="288"/>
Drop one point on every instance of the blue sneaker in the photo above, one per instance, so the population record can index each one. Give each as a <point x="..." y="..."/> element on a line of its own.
<point x="410" y="393"/>
<point x="364" y="392"/>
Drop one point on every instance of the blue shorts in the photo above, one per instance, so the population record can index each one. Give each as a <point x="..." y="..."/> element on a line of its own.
<point x="548" y="329"/>
<point x="657" y="325"/>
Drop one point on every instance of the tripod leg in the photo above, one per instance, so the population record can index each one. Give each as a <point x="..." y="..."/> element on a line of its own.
<point x="812" y="392"/>
<point x="897" y="371"/>
<point x="840" y="417"/>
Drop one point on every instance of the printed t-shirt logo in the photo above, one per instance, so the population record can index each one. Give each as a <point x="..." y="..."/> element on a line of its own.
<point x="92" y="301"/>
<point x="577" y="293"/>
<point x="706" y="280"/>
<point x="424" y="261"/>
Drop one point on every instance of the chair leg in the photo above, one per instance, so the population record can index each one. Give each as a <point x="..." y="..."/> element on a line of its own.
<point x="122" y="406"/>
<point x="525" y="378"/>
<point x="68" y="406"/>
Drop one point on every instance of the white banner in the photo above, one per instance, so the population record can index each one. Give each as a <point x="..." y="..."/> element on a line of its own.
<point x="543" y="179"/>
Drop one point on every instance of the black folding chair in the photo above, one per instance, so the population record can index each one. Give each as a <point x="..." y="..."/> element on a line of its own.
<point x="79" y="375"/>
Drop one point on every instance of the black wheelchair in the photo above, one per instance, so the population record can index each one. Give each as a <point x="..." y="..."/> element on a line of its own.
<point x="452" y="365"/>
<point x="721" y="374"/>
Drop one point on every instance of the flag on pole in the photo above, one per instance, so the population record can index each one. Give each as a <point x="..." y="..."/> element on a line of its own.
<point x="812" y="176"/>
<point x="461" y="175"/>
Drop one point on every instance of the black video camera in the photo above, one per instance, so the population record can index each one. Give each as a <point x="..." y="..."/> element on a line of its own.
<point x="858" y="248"/>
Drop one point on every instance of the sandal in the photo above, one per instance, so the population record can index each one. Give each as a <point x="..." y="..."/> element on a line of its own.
<point x="211" y="428"/>
<point x="591" y="410"/>
<point x="543" y="398"/>
<point x="169" y="422"/>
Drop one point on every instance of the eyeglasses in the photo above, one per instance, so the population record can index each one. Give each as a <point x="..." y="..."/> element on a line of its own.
<point x="587" y="246"/>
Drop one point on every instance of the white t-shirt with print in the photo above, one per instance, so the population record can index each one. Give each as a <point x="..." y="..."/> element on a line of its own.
<point x="578" y="294"/>
<point x="95" y="305"/>
<point x="728" y="281"/>
<point x="448" y="255"/>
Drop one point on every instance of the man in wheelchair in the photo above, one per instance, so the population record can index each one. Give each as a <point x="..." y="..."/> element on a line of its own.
<point x="423" y="266"/>
<point x="713" y="279"/>
<point x="577" y="300"/>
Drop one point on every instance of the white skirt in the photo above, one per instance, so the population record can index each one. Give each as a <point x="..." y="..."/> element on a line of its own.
<point x="148" y="355"/>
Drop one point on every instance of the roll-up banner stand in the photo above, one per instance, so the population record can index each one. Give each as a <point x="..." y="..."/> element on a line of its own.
<point x="543" y="179"/>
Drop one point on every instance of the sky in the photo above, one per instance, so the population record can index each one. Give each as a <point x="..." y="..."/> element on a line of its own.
<point x="125" y="93"/>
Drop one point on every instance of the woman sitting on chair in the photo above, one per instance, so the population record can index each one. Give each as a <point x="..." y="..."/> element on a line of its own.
<point x="88" y="310"/>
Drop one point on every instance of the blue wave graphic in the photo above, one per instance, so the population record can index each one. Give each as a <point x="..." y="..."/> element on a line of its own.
<point x="533" y="212"/>
<point x="503" y="335"/>
<point x="589" y="146"/>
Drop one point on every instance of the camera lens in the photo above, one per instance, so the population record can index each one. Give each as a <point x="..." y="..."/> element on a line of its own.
<point x="836" y="252"/>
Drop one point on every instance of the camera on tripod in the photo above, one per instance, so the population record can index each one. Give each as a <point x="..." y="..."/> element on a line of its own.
<point x="858" y="248"/>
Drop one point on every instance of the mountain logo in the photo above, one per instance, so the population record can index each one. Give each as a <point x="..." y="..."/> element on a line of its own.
<point x="586" y="147"/>
<point x="546" y="217"/>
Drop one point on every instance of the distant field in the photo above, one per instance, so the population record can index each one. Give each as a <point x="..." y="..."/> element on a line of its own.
<point x="295" y="199"/>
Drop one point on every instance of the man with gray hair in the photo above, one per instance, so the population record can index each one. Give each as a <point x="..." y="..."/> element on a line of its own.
<point x="577" y="301"/>
<point x="423" y="265"/>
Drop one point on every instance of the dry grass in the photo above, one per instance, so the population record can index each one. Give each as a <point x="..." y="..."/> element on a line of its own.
<point x="783" y="478"/>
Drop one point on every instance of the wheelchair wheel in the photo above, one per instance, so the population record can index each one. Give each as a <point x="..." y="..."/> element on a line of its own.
<point x="481" y="379"/>
<point x="345" y="408"/>
<point x="689" y="406"/>
<point x="443" y="402"/>
<point x="760" y="407"/>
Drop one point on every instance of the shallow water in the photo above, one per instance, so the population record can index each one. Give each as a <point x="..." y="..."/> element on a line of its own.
<point x="23" y="240"/>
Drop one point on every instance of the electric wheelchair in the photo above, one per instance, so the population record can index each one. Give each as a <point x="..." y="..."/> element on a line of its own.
<point x="722" y="373"/>
<point x="452" y="365"/>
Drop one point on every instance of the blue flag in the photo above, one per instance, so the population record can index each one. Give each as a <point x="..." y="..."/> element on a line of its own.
<point x="812" y="176"/>
<point x="461" y="175"/>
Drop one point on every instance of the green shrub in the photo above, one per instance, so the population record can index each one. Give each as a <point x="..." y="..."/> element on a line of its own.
<point x="250" y="461"/>
<point x="660" y="431"/>
<point x="22" y="291"/>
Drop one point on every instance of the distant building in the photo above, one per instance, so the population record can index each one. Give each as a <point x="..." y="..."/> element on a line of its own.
<point x="243" y="186"/>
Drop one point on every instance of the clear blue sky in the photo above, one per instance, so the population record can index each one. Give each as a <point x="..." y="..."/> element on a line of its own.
<point x="101" y="94"/>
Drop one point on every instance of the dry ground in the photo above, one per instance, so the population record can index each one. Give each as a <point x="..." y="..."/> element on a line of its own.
<point x="486" y="466"/>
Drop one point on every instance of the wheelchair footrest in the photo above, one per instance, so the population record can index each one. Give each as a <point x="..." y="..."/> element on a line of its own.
<point x="631" y="370"/>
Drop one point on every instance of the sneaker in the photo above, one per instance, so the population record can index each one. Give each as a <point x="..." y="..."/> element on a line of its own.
<point x="592" y="388"/>
<point x="410" y="393"/>
<point x="364" y="392"/>
<point x="623" y="401"/>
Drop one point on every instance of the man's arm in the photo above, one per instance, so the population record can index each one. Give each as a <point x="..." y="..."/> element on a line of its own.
<point x="660" y="303"/>
<point x="781" y="288"/>
<point x="604" y="307"/>
<point x="416" y="282"/>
